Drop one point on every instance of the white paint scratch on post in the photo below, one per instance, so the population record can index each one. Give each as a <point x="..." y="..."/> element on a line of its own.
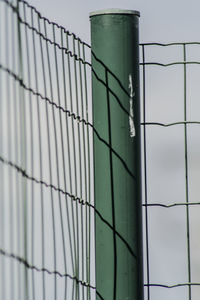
<point x="131" y="113"/>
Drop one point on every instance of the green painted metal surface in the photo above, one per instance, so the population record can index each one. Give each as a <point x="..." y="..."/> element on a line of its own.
<point x="115" y="85"/>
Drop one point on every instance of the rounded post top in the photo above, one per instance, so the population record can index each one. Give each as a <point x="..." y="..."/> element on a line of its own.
<point x="114" y="11"/>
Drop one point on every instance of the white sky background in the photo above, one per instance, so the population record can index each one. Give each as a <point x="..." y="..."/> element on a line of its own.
<point x="160" y="21"/>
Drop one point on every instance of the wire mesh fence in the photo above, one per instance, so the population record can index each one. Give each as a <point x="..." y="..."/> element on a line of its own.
<point x="47" y="207"/>
<point x="47" y="215"/>
<point x="170" y="123"/>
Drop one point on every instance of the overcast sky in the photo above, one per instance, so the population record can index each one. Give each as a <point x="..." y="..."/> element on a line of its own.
<point x="163" y="21"/>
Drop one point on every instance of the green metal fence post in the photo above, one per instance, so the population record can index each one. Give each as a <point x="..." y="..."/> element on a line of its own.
<point x="116" y="113"/>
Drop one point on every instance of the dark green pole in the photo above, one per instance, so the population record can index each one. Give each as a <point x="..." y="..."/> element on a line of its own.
<point x="116" y="114"/>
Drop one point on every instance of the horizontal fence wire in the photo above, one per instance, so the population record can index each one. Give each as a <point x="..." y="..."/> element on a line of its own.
<point x="47" y="237"/>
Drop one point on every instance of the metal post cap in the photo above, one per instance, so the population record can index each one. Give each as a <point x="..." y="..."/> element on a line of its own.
<point x="115" y="11"/>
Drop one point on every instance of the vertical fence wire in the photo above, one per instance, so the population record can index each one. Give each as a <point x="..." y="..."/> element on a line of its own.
<point x="145" y="173"/>
<point x="23" y="157"/>
<point x="186" y="171"/>
<point x="88" y="183"/>
<point x="40" y="155"/>
<point x="10" y="178"/>
<point x="2" y="183"/>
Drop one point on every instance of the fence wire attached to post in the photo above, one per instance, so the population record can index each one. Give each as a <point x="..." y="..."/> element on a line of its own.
<point x="47" y="204"/>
